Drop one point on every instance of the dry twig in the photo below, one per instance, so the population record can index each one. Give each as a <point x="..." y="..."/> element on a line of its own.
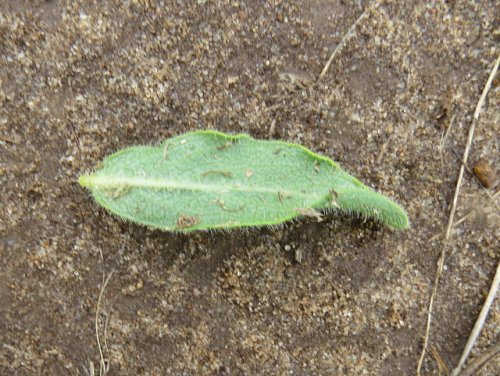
<point x="345" y="38"/>
<point x="452" y="212"/>
<point x="8" y="140"/>
<point x="479" y="322"/>
<point x="481" y="360"/>
<point x="103" y="363"/>
<point x="440" y="362"/>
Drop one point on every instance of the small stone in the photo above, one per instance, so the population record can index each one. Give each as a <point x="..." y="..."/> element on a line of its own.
<point x="484" y="172"/>
<point x="279" y="17"/>
<point x="231" y="80"/>
<point x="299" y="254"/>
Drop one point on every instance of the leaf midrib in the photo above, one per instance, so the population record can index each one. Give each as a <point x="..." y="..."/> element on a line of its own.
<point x="112" y="182"/>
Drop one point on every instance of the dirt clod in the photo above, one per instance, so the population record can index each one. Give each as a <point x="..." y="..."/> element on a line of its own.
<point x="485" y="173"/>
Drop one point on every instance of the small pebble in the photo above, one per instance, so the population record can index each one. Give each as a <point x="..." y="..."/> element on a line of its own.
<point x="485" y="173"/>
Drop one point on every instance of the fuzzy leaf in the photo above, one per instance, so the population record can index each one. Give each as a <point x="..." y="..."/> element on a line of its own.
<point x="208" y="180"/>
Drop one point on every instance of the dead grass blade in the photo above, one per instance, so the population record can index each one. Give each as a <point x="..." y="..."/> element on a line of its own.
<point x="474" y="367"/>
<point x="345" y="38"/>
<point x="439" y="270"/>
<point x="479" y="322"/>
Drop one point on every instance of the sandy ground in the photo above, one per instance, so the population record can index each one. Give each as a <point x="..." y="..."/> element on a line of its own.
<point x="82" y="79"/>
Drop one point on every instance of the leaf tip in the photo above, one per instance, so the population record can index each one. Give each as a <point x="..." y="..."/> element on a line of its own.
<point x="400" y="221"/>
<point x="392" y="215"/>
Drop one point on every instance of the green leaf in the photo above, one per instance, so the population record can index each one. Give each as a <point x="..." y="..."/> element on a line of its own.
<point x="209" y="180"/>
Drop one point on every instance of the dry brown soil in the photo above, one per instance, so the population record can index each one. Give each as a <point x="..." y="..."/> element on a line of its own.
<point x="81" y="79"/>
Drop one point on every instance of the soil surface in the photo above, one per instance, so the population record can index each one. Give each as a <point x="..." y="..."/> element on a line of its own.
<point x="82" y="79"/>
